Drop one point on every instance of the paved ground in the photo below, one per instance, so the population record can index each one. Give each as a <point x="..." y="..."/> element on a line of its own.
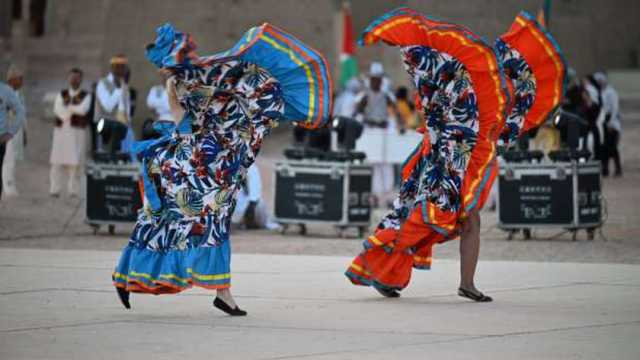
<point x="60" y="305"/>
<point x="555" y="298"/>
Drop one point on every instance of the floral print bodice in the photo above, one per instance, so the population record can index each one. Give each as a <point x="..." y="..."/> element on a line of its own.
<point x="231" y="106"/>
<point x="451" y="120"/>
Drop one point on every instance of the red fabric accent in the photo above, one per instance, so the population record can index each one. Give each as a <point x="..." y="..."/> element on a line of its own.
<point x="539" y="51"/>
<point x="407" y="27"/>
<point x="348" y="39"/>
<point x="141" y="188"/>
<point x="394" y="269"/>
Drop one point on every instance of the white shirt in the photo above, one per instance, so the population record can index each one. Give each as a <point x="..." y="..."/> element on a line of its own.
<point x="611" y="106"/>
<point x="346" y="104"/>
<point x="158" y="101"/>
<point x="377" y="102"/>
<point x="119" y="97"/>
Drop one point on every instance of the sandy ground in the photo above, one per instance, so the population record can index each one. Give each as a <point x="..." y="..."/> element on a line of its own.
<point x="34" y="220"/>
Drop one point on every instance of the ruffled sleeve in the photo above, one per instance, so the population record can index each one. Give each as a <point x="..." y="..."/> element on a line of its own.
<point x="303" y="73"/>
<point x="535" y="67"/>
<point x="436" y="52"/>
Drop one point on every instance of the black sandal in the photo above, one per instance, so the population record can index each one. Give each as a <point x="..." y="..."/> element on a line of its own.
<point x="478" y="297"/>
<point x="220" y="304"/>
<point x="124" y="297"/>
<point x="387" y="293"/>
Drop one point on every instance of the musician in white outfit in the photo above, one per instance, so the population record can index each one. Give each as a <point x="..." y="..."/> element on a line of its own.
<point x="158" y="102"/>
<point x="373" y="107"/>
<point x="69" y="146"/>
<point x="113" y="101"/>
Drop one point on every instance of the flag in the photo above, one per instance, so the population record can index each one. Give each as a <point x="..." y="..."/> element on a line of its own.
<point x="348" y="64"/>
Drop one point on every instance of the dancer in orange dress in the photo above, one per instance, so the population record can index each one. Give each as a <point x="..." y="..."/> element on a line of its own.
<point x="464" y="100"/>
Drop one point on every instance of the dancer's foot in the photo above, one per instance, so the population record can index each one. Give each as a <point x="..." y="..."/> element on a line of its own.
<point x="474" y="294"/>
<point x="387" y="293"/>
<point x="124" y="297"/>
<point x="233" y="311"/>
<point x="225" y="302"/>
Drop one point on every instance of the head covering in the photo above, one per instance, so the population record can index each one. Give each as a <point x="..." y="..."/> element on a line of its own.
<point x="14" y="72"/>
<point x="119" y="59"/>
<point x="170" y="48"/>
<point x="600" y="77"/>
<point x="353" y="85"/>
<point x="376" y="69"/>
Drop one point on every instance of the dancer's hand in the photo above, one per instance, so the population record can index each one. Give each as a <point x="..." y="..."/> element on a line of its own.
<point x="166" y="73"/>
<point x="170" y="85"/>
<point x="174" y="103"/>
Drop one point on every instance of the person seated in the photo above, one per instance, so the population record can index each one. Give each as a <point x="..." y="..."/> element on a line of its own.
<point x="250" y="211"/>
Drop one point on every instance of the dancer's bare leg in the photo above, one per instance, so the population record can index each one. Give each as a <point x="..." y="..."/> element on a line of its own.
<point x="225" y="295"/>
<point x="469" y="250"/>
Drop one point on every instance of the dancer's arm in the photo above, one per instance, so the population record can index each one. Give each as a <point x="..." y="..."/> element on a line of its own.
<point x="174" y="104"/>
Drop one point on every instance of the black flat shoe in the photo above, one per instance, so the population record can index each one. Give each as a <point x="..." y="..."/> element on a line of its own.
<point x="220" y="304"/>
<point x="388" y="293"/>
<point x="478" y="297"/>
<point x="124" y="297"/>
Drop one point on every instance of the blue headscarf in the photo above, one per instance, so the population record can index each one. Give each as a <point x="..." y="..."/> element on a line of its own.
<point x="170" y="47"/>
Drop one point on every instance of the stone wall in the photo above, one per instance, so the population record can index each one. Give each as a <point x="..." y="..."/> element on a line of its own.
<point x="215" y="25"/>
<point x="594" y="34"/>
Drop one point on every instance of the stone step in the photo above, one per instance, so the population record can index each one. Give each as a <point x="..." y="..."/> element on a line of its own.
<point x="53" y="44"/>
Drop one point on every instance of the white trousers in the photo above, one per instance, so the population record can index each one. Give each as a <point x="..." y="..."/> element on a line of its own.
<point x="9" y="171"/>
<point x="382" y="182"/>
<point x="56" y="178"/>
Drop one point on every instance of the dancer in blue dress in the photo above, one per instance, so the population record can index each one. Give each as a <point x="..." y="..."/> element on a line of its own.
<point x="227" y="103"/>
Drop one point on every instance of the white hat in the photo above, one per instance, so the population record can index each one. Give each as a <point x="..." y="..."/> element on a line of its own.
<point x="376" y="69"/>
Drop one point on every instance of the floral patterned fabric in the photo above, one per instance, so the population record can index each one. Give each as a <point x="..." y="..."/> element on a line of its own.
<point x="462" y="98"/>
<point x="233" y="106"/>
<point x="451" y="112"/>
<point x="523" y="82"/>
<point x="193" y="171"/>
<point x="196" y="173"/>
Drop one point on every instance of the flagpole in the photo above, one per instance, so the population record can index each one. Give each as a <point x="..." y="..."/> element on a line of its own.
<point x="547" y="13"/>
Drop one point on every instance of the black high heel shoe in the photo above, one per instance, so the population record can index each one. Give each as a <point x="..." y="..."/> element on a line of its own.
<point x="220" y="304"/>
<point x="124" y="297"/>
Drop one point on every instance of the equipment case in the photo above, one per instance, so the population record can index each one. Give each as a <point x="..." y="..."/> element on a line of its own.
<point x="335" y="193"/>
<point x="113" y="194"/>
<point x="558" y="194"/>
